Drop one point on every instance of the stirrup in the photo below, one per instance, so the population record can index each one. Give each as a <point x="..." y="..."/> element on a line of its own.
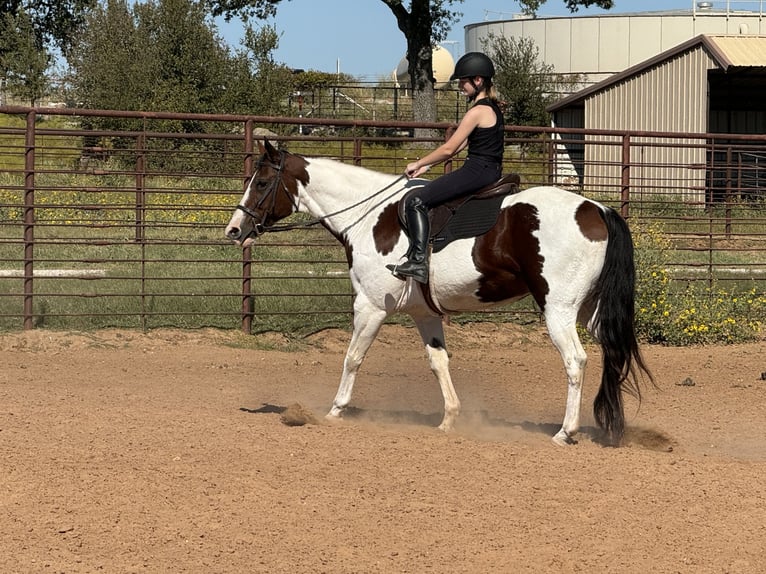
<point x="418" y="274"/>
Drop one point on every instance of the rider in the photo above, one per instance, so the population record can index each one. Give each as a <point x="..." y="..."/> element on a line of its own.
<point x="482" y="130"/>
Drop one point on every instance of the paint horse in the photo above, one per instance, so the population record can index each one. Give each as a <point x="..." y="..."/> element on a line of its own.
<point x="574" y="256"/>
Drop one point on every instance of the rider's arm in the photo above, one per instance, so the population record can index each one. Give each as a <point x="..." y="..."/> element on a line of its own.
<point x="453" y="145"/>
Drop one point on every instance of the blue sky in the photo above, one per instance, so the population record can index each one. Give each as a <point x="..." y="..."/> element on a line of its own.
<point x="360" y="37"/>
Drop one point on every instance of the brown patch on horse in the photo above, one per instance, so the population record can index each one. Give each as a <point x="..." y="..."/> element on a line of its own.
<point x="512" y="268"/>
<point x="343" y="240"/>
<point x="278" y="196"/>
<point x="295" y="165"/>
<point x="386" y="231"/>
<point x="591" y="222"/>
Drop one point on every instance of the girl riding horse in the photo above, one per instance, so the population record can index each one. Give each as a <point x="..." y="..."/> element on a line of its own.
<point x="481" y="129"/>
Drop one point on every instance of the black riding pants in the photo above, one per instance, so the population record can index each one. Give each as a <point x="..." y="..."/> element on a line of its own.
<point x="473" y="175"/>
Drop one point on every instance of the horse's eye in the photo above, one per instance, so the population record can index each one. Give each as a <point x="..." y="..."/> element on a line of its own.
<point x="261" y="184"/>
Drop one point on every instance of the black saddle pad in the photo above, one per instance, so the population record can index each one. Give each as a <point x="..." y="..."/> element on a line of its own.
<point x="471" y="219"/>
<point x="469" y="216"/>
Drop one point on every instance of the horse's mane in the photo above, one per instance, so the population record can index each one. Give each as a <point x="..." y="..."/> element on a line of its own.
<point x="348" y="170"/>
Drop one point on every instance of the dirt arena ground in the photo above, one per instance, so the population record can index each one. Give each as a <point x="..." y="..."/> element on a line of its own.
<point x="163" y="452"/>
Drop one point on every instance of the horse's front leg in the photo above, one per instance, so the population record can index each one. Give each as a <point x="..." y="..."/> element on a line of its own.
<point x="432" y="333"/>
<point x="367" y="322"/>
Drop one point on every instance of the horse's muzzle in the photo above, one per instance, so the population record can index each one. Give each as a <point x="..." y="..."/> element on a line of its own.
<point x="234" y="233"/>
<point x="244" y="239"/>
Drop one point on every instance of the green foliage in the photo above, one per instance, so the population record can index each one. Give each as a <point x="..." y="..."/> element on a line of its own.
<point x="694" y="315"/>
<point x="260" y="83"/>
<point x="423" y="23"/>
<point x="166" y="56"/>
<point x="153" y="56"/>
<point x="22" y="61"/>
<point x="312" y="79"/>
<point x="245" y="9"/>
<point x="532" y="6"/>
<point x="525" y="83"/>
<point x="51" y="23"/>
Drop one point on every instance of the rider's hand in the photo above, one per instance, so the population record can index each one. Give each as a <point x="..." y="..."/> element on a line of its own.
<point x="414" y="170"/>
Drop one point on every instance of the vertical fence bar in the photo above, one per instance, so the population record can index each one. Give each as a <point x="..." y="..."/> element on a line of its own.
<point x="729" y="193"/>
<point x="625" y="183"/>
<point x="550" y="147"/>
<point x="447" y="135"/>
<point x="140" y="233"/>
<point x="357" y="151"/>
<point x="29" y="220"/>
<point x="140" y="185"/>
<point x="247" y="296"/>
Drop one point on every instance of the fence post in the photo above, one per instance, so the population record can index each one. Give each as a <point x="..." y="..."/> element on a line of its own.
<point x="247" y="296"/>
<point x="29" y="220"/>
<point x="625" y="183"/>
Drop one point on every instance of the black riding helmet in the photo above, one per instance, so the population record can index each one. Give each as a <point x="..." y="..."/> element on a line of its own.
<point x="473" y="64"/>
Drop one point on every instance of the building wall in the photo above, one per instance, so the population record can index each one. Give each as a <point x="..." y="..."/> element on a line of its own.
<point x="600" y="46"/>
<point x="669" y="97"/>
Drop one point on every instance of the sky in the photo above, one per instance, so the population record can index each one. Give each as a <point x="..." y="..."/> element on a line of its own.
<point x="361" y="38"/>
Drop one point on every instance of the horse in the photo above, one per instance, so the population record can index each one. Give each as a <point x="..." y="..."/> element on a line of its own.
<point x="573" y="255"/>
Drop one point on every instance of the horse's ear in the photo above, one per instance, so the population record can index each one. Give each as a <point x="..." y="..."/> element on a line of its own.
<point x="270" y="149"/>
<point x="261" y="149"/>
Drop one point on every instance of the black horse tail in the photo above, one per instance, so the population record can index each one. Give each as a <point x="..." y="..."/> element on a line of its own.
<point x="614" y="328"/>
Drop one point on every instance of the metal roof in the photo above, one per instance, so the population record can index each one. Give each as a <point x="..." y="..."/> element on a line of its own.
<point x="726" y="51"/>
<point x="741" y="51"/>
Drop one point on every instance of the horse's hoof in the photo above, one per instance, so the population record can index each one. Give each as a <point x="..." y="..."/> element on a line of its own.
<point x="333" y="417"/>
<point x="562" y="438"/>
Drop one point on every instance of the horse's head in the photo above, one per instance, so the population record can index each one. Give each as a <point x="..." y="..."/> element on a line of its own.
<point x="271" y="194"/>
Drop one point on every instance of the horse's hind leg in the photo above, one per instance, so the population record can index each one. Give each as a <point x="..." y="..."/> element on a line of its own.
<point x="563" y="333"/>
<point x="367" y="322"/>
<point x="432" y="333"/>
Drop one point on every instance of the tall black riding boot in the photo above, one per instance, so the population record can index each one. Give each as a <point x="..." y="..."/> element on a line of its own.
<point x="418" y="229"/>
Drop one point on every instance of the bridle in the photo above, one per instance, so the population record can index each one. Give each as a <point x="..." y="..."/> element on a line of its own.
<point x="258" y="221"/>
<point x="259" y="228"/>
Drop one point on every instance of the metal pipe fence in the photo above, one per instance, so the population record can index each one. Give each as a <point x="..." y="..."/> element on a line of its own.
<point x="115" y="219"/>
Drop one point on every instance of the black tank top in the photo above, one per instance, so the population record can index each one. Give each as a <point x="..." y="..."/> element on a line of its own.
<point x="487" y="143"/>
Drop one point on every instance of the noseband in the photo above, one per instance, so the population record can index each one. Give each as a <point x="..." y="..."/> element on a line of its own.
<point x="258" y="220"/>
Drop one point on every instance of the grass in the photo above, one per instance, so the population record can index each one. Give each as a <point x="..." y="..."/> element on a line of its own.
<point x="166" y="263"/>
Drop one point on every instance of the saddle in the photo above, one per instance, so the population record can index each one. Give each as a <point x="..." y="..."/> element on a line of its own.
<point x="467" y="216"/>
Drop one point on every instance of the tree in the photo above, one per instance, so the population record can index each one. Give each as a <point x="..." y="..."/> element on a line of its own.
<point x="23" y="63"/>
<point x="259" y="84"/>
<point x="55" y="23"/>
<point x="166" y="55"/>
<point x="425" y="24"/>
<point x="527" y="85"/>
<point x="531" y="6"/>
<point x="109" y="68"/>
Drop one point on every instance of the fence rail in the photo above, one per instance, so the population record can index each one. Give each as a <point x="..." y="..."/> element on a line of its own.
<point x="115" y="218"/>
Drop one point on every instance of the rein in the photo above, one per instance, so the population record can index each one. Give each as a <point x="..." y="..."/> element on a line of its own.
<point x="259" y="228"/>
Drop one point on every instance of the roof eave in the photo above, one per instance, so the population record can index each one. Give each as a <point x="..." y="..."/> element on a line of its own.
<point x="701" y="39"/>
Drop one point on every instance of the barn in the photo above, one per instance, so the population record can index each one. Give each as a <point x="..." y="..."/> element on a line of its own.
<point x="708" y="84"/>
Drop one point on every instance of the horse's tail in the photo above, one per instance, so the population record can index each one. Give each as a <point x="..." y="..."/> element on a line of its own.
<point x="615" y="330"/>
